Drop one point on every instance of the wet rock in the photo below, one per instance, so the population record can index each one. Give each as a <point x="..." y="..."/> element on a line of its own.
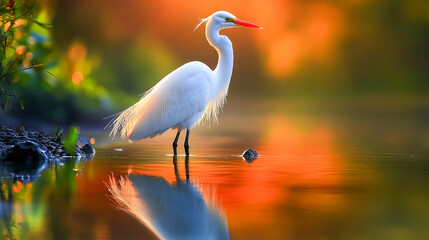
<point x="18" y="145"/>
<point x="23" y="160"/>
<point x="25" y="153"/>
<point x="84" y="147"/>
<point x="249" y="155"/>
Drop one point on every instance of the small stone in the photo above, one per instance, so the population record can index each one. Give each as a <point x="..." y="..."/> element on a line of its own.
<point x="82" y="141"/>
<point x="84" y="147"/>
<point x="249" y="155"/>
<point x="88" y="149"/>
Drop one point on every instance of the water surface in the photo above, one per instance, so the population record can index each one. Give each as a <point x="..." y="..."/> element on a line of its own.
<point x="332" y="173"/>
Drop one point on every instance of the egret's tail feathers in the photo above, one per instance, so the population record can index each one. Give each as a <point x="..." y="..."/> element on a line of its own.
<point x="123" y="122"/>
<point x="113" y="117"/>
<point x="147" y="92"/>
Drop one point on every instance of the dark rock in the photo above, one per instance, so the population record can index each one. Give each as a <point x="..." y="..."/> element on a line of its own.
<point x="23" y="159"/>
<point x="24" y="154"/>
<point x="26" y="151"/>
<point x="87" y="151"/>
<point x="249" y="155"/>
<point x="84" y="147"/>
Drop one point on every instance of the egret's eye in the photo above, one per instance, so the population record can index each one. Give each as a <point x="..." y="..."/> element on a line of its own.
<point x="229" y="19"/>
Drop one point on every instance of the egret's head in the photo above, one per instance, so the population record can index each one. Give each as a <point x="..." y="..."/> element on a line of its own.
<point x="222" y="19"/>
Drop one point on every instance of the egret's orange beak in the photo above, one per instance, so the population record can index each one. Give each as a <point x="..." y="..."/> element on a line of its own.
<point x="246" y="24"/>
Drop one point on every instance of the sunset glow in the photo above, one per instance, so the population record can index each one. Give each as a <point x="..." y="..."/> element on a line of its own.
<point x="184" y="119"/>
<point x="287" y="42"/>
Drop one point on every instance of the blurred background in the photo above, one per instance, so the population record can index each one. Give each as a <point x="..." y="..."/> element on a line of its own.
<point x="103" y="54"/>
<point x="332" y="94"/>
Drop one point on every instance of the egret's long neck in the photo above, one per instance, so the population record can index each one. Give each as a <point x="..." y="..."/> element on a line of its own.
<point x="224" y="66"/>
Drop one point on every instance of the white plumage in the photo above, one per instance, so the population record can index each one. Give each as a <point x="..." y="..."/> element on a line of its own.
<point x="177" y="101"/>
<point x="188" y="95"/>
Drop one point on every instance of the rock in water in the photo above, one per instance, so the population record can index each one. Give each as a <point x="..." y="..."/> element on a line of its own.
<point x="23" y="160"/>
<point x="84" y="147"/>
<point x="249" y="155"/>
<point x="23" y="155"/>
<point x="26" y="152"/>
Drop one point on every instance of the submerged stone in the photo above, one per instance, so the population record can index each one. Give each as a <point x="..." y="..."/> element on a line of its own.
<point x="249" y="155"/>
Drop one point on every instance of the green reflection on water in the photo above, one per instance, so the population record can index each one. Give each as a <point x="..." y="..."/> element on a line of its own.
<point x="27" y="208"/>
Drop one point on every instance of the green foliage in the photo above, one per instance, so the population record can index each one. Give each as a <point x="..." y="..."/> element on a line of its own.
<point x="16" y="19"/>
<point x="70" y="140"/>
<point x="45" y="90"/>
<point x="43" y="25"/>
<point x="57" y="133"/>
<point x="143" y="62"/>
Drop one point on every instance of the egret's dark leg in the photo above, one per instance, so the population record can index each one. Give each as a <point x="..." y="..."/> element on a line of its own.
<point x="175" y="142"/>
<point x="186" y="142"/>
<point x="187" y="167"/>
<point x="176" y="170"/>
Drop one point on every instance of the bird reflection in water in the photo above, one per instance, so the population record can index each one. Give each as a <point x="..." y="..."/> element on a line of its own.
<point x="183" y="210"/>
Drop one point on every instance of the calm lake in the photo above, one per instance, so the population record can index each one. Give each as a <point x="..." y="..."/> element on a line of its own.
<point x="337" y="171"/>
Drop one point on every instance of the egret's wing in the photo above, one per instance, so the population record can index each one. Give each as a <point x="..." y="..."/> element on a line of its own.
<point x="179" y="96"/>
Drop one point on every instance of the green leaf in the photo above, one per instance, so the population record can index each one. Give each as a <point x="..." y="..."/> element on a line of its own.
<point x="43" y="25"/>
<point x="70" y="140"/>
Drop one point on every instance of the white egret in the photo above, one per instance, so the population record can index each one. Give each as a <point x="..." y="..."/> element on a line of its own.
<point x="188" y="95"/>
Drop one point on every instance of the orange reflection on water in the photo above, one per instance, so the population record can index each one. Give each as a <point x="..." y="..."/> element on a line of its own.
<point x="309" y="152"/>
<point x="18" y="187"/>
<point x="301" y="179"/>
<point x="298" y="169"/>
